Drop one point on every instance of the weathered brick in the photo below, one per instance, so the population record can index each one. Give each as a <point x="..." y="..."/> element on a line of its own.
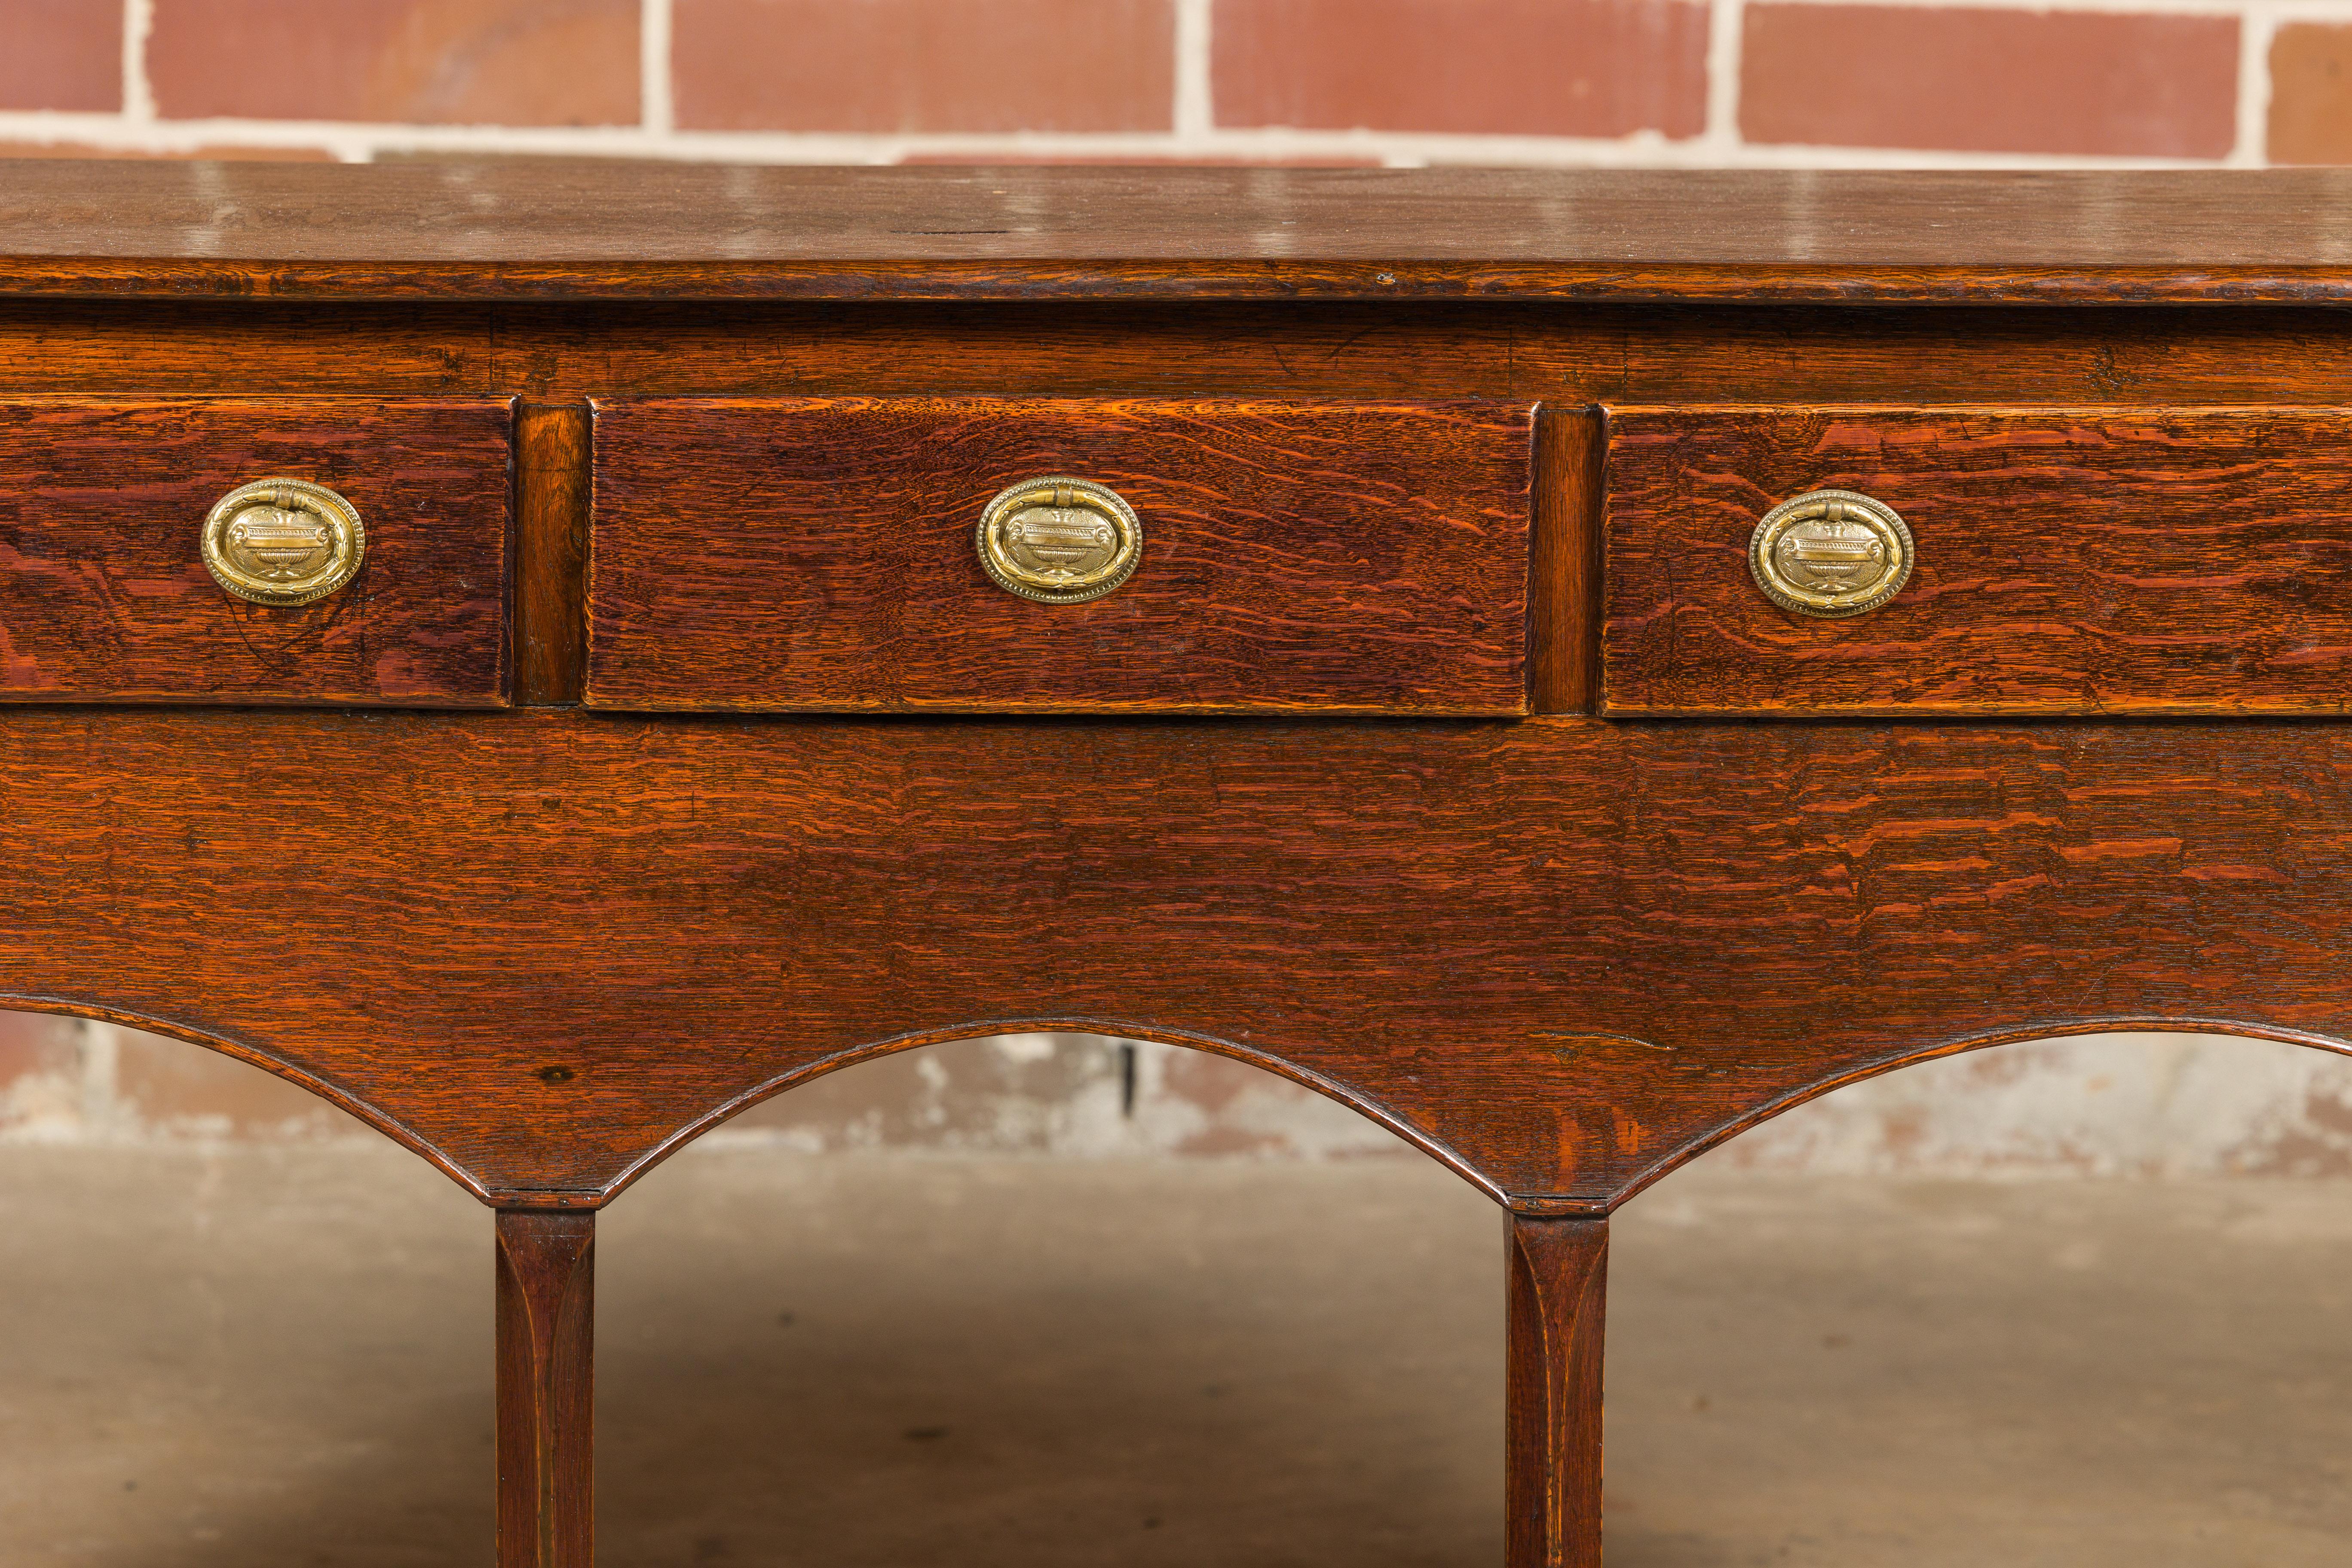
<point x="491" y="62"/>
<point x="224" y="154"/>
<point x="1983" y="80"/>
<point x="1526" y="67"/>
<point x="1140" y="159"/>
<point x="61" y="54"/>
<point x="910" y="65"/>
<point x="2310" y="93"/>
<point x="170" y="1087"/>
<point x="34" y="1043"/>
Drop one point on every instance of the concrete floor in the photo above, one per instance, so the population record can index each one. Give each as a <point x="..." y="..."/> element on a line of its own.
<point x="279" y="1357"/>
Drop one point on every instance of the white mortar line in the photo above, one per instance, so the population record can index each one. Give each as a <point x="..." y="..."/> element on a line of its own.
<point x="1645" y="149"/>
<point x="657" y="108"/>
<point x="1726" y="27"/>
<point x="1195" y="107"/>
<point x="138" y="92"/>
<point x="1642" y="150"/>
<point x="2255" y="32"/>
<point x="2132" y="7"/>
<point x="101" y="1064"/>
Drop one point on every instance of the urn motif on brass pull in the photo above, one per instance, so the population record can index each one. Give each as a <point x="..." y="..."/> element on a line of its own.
<point x="1831" y="553"/>
<point x="283" y="542"/>
<point x="1059" y="541"/>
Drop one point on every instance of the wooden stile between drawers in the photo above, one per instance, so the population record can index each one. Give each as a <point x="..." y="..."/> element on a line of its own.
<point x="2070" y="561"/>
<point x="756" y="554"/>
<point x="552" y="500"/>
<point x="105" y="596"/>
<point x="1564" y="573"/>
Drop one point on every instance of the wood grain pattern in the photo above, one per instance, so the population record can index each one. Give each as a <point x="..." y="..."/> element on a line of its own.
<point x="1397" y="351"/>
<point x="544" y="949"/>
<point x="1420" y="350"/>
<point x="1561" y="953"/>
<point x="1015" y="349"/>
<point x="606" y="229"/>
<point x="1557" y="1288"/>
<point x="817" y="554"/>
<point x="547" y="1388"/>
<point x="111" y="347"/>
<point x="1564" y="573"/>
<point x="1389" y="277"/>
<point x="103" y="590"/>
<point x="552" y="485"/>
<point x="2071" y="561"/>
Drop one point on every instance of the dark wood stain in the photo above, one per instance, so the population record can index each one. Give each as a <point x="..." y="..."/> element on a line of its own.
<point x="1567" y="354"/>
<point x="553" y="482"/>
<point x="108" y="347"/>
<point x="1556" y="1287"/>
<point x="615" y="229"/>
<point x="103" y="590"/>
<point x="547" y="1388"/>
<point x="1401" y="351"/>
<point x="1561" y="953"/>
<point x="2071" y="561"/>
<point x="819" y="554"/>
<point x="1564" y="571"/>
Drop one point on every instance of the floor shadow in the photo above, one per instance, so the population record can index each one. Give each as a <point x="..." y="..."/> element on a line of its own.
<point x="279" y="1358"/>
<point x="877" y="1360"/>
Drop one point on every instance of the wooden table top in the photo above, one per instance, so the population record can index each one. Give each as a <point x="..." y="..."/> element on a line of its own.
<point x="598" y="229"/>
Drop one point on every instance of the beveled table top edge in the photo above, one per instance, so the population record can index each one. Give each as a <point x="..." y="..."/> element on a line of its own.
<point x="656" y="230"/>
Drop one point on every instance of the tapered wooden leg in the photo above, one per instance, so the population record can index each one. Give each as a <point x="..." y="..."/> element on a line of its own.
<point x="547" y="1387"/>
<point x="1559" y="1297"/>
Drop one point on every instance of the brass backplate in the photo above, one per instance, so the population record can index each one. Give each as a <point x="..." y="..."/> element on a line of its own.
<point x="1059" y="541"/>
<point x="1831" y="553"/>
<point x="283" y="542"/>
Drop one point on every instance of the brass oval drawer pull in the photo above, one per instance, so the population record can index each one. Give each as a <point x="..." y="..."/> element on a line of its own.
<point x="1831" y="553"/>
<point x="283" y="542"/>
<point x="1059" y="541"/>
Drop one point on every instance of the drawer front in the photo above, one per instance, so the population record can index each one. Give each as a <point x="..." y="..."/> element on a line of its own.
<point x="2081" y="561"/>
<point x="820" y="554"/>
<point x="104" y="591"/>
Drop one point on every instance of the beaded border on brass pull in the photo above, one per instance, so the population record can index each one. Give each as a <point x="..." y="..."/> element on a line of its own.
<point x="1054" y="559"/>
<point x="271" y="559"/>
<point x="1855" y="551"/>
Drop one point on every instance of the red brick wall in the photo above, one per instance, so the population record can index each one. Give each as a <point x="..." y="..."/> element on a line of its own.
<point x="1348" y="81"/>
